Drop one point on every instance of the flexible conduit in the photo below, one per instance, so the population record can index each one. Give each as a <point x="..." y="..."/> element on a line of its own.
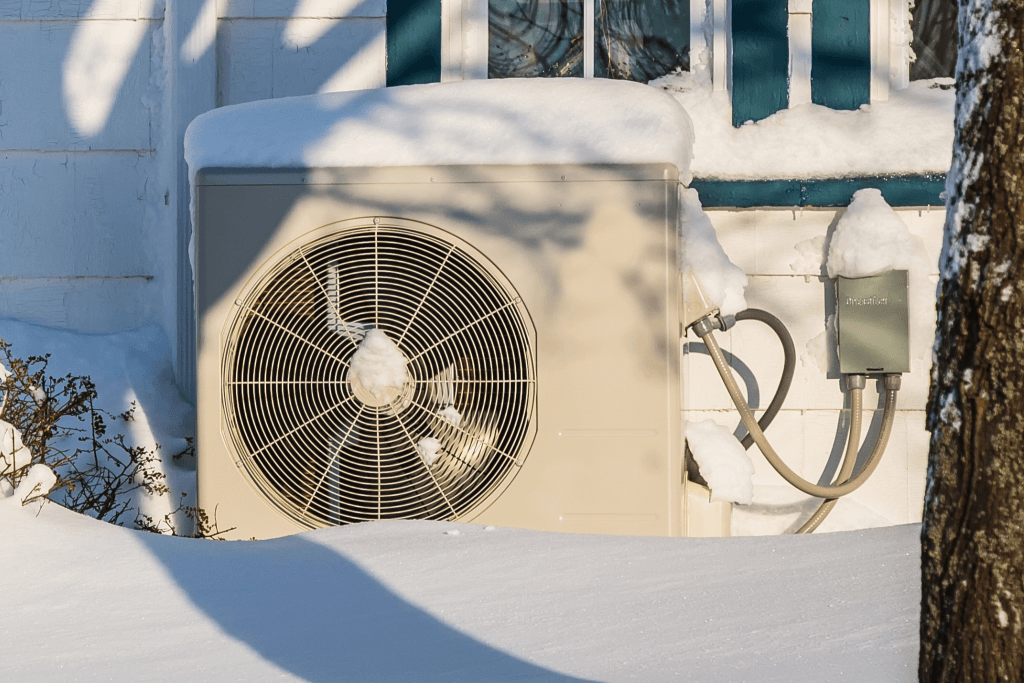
<point x="788" y="366"/>
<point x="891" y="384"/>
<point x="855" y="384"/>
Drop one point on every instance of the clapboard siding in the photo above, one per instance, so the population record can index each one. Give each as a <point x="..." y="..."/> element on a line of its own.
<point x="75" y="214"/>
<point x="268" y="58"/>
<point x="80" y="9"/>
<point x="34" y="112"/>
<point x="312" y="9"/>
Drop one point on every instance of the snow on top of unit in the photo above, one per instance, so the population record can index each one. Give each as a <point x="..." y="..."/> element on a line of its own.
<point x="506" y="121"/>
<point x="910" y="133"/>
<point x="701" y="253"/>
<point x="722" y="461"/>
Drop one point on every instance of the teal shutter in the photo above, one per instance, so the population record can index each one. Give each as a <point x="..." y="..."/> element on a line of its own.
<point x="841" y="53"/>
<point x="760" y="59"/>
<point x="413" y="41"/>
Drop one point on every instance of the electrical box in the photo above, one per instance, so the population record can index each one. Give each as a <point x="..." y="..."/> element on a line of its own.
<point x="872" y="324"/>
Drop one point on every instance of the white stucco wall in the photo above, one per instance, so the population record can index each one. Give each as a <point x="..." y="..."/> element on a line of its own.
<point x="763" y="242"/>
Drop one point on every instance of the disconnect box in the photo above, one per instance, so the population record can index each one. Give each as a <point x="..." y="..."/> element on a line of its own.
<point x="872" y="324"/>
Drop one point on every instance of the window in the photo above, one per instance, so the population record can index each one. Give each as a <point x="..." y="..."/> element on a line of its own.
<point x="934" y="28"/>
<point x="636" y="40"/>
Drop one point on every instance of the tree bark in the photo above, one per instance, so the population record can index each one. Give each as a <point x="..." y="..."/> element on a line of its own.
<point x="972" y="540"/>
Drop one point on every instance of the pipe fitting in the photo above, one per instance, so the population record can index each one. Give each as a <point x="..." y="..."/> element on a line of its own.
<point x="892" y="382"/>
<point x="856" y="381"/>
<point x="704" y="326"/>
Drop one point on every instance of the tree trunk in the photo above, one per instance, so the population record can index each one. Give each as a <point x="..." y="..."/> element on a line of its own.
<point x="972" y="559"/>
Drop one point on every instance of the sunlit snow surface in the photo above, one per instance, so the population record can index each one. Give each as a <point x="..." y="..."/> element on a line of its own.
<point x="910" y="133"/>
<point x="505" y="121"/>
<point x="406" y="601"/>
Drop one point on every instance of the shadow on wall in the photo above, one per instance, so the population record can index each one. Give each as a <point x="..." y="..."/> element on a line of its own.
<point x="315" y="614"/>
<point x="108" y="62"/>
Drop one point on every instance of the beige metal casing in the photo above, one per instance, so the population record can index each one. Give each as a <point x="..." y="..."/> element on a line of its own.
<point x="592" y="251"/>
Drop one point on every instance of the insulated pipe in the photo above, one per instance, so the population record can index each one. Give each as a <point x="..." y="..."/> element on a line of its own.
<point x="788" y="367"/>
<point x="892" y="383"/>
<point x="785" y="381"/>
<point x="855" y="385"/>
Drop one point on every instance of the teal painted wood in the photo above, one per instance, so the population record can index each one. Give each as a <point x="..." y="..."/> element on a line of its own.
<point x="841" y="53"/>
<point x="744" y="194"/>
<point x="897" y="190"/>
<point x="760" y="59"/>
<point x="413" y="41"/>
<point x="914" y="190"/>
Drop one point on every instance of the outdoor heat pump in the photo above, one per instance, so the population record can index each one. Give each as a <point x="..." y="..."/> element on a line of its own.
<point x="526" y="324"/>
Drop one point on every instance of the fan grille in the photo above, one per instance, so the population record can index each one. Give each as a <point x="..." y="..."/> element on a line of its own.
<point x="321" y="453"/>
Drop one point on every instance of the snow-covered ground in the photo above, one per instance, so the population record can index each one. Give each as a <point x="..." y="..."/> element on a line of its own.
<point x="429" y="601"/>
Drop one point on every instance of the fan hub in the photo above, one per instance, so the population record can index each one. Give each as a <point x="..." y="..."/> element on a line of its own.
<point x="378" y="371"/>
<point x="396" y="396"/>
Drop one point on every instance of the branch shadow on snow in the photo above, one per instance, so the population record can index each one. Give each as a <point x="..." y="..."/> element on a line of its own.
<point x="314" y="613"/>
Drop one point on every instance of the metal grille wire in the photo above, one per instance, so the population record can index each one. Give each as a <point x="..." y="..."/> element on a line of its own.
<point x="321" y="454"/>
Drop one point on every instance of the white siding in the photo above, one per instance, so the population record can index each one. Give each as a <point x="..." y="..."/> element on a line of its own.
<point x="34" y="105"/>
<point x="73" y="204"/>
<point x="267" y="58"/>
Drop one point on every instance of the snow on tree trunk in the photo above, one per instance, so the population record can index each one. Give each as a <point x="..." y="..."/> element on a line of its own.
<point x="972" y="559"/>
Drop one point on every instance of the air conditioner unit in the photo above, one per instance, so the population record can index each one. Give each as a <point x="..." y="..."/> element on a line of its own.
<point x="531" y="312"/>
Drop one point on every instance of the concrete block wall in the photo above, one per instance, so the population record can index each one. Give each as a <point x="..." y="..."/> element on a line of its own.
<point x="810" y="431"/>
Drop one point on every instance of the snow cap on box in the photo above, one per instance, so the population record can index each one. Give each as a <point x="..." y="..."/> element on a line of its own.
<point x="871" y="239"/>
<point x="503" y="121"/>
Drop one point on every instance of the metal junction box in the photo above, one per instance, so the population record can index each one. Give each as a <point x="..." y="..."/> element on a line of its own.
<point x="872" y="324"/>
